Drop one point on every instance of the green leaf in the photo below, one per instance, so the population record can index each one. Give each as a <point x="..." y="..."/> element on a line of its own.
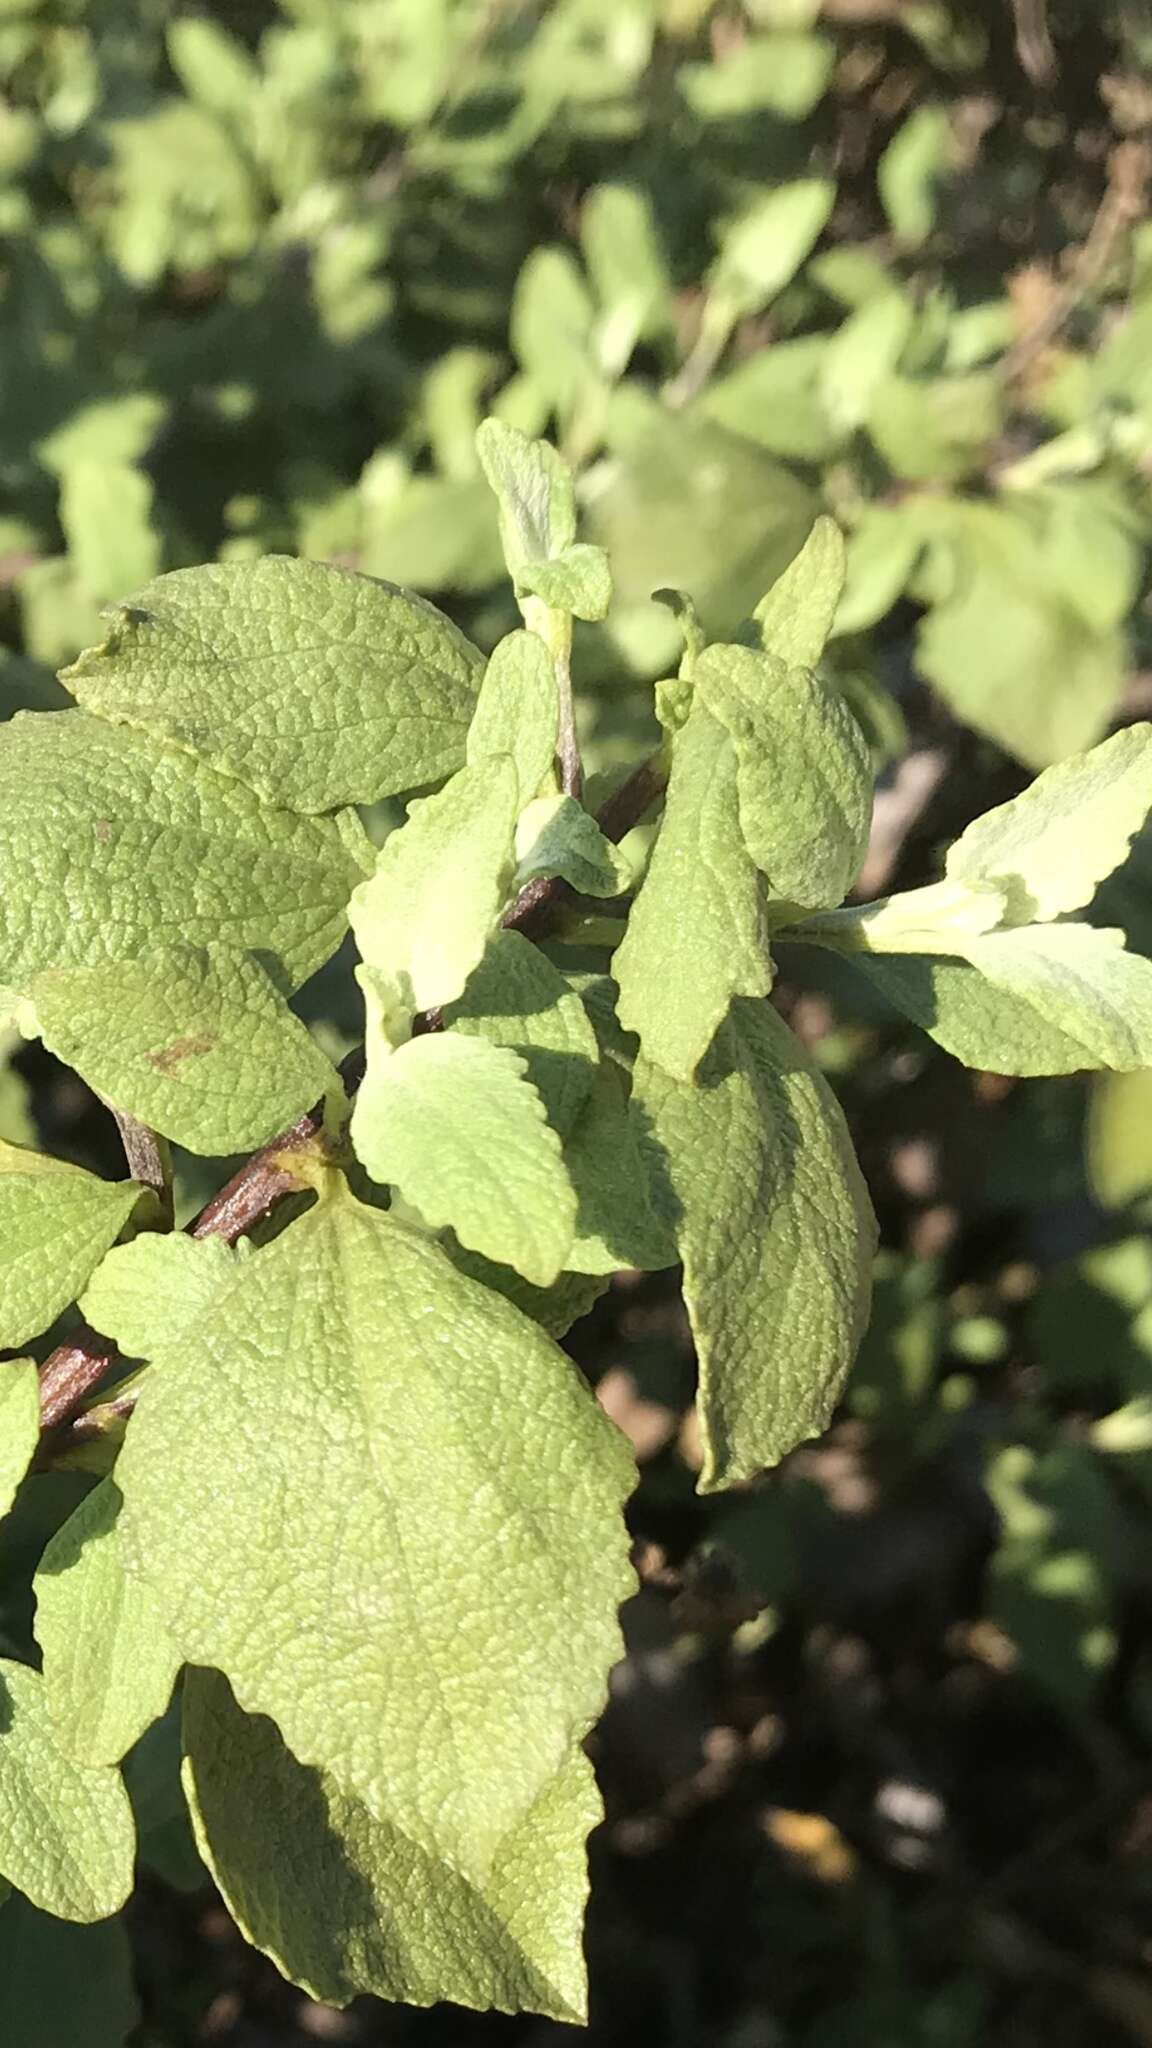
<point x="315" y="686"/>
<point x="555" y="1308"/>
<point x="517" y="712"/>
<point x="423" y="919"/>
<point x="67" y="1839"/>
<point x="515" y="997"/>
<point x="622" y="249"/>
<point x="804" y="773"/>
<point x="551" y="325"/>
<point x="1049" y="847"/>
<point x="617" y="1225"/>
<point x="205" y="1048"/>
<point x="19" y="1424"/>
<point x="56" y="1223"/>
<point x="345" y="1903"/>
<point x="776" y="1233"/>
<point x="555" y="835"/>
<point x="109" y="1662"/>
<point x="427" y="1502"/>
<point x="533" y="487"/>
<point x="687" y="505"/>
<point x="795" y="618"/>
<point x="456" y="1126"/>
<point x="106" y="511"/>
<point x="61" y="1984"/>
<point x="697" y="934"/>
<point x="578" y="580"/>
<point x="1044" y="999"/>
<point x="909" y="171"/>
<point x="183" y="1273"/>
<point x="112" y="844"/>
<point x="762" y="250"/>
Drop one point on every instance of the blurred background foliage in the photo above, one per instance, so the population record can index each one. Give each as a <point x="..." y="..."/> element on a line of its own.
<point x="878" y="1767"/>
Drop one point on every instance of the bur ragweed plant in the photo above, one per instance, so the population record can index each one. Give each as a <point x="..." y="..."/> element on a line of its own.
<point x="348" y="1492"/>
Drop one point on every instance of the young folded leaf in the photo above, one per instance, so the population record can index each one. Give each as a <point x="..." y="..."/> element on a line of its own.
<point x="804" y="773"/>
<point x="578" y="580"/>
<point x="205" y="1050"/>
<point x="113" y="843"/>
<point x="697" y="935"/>
<point x="1046" y="999"/>
<point x="315" y="686"/>
<point x="517" y="712"/>
<point x="423" y="919"/>
<point x="345" y="1903"/>
<point x="19" y="1424"/>
<point x="1050" y="847"/>
<point x="109" y="1662"/>
<point x="557" y="836"/>
<point x="761" y="1186"/>
<point x="56" y="1223"/>
<point x="67" y="1838"/>
<point x="795" y="618"/>
<point x="533" y="486"/>
<point x="426" y="1502"/>
<point x="454" y="1123"/>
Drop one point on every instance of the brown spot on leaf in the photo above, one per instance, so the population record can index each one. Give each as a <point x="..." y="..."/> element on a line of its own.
<point x="172" y="1056"/>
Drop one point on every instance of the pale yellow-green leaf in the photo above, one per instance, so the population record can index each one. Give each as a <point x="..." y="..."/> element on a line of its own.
<point x="315" y="686"/>
<point x="795" y="618"/>
<point x="776" y="1233"/>
<point x="423" y="919"/>
<point x="19" y="1424"/>
<point x="113" y="842"/>
<point x="345" y="1903"/>
<point x="555" y="835"/>
<point x="453" y="1122"/>
<point x="205" y="1049"/>
<point x="804" y="773"/>
<point x="533" y="487"/>
<point x="67" y="1838"/>
<point x="1044" y="999"/>
<point x="109" y="1661"/>
<point x="516" y="997"/>
<point x="517" y="711"/>
<point x="56" y="1223"/>
<point x="697" y="934"/>
<point x="1051" y="846"/>
<point x="426" y="1501"/>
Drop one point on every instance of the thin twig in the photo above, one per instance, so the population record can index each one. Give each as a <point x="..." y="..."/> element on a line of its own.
<point x="148" y="1156"/>
<point x="74" y="1370"/>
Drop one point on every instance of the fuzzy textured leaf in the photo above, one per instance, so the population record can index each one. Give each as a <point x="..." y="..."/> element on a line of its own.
<point x="19" y="1424"/>
<point x="578" y="580"/>
<point x="67" y="1838"/>
<point x="427" y="1604"/>
<point x="804" y="773"/>
<point x="533" y="486"/>
<point x="617" y="1223"/>
<point x="795" y="618"/>
<point x="109" y="1662"/>
<point x="205" y="1049"/>
<point x="423" y="919"/>
<point x="557" y="836"/>
<point x="515" y="997"/>
<point x="454" y="1123"/>
<point x="1045" y="999"/>
<point x="517" y="712"/>
<point x="776" y="1232"/>
<point x="396" y="1920"/>
<point x="56" y="1223"/>
<point x="314" y="685"/>
<point x="1051" y="846"/>
<point x="112" y="842"/>
<point x="696" y="936"/>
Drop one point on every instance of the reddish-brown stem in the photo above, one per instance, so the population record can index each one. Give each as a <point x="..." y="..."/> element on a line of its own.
<point x="74" y="1370"/>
